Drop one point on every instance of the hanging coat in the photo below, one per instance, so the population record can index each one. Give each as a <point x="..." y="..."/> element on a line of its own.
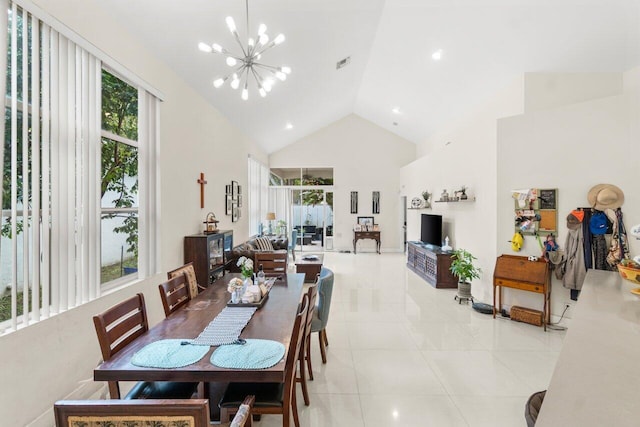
<point x="573" y="267"/>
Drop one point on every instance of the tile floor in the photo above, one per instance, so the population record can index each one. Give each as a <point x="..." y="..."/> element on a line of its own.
<point x="402" y="353"/>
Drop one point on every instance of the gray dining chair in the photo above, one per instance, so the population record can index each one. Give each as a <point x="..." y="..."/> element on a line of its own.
<point x="321" y="315"/>
<point x="293" y="242"/>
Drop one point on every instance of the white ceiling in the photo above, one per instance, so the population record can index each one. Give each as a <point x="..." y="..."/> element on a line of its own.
<point x="486" y="44"/>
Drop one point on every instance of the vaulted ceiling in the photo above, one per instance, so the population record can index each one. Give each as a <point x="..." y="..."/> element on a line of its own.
<point x="485" y="45"/>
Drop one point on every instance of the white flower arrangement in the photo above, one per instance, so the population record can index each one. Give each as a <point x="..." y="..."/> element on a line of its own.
<point x="234" y="284"/>
<point x="246" y="266"/>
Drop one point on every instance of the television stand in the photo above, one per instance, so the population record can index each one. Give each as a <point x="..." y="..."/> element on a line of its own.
<point x="432" y="264"/>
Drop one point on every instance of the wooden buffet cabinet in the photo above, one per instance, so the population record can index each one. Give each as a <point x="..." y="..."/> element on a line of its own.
<point x="209" y="254"/>
<point x="361" y="235"/>
<point x="432" y="264"/>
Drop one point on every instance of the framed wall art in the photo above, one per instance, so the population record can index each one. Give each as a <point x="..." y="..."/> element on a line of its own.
<point x="354" y="202"/>
<point x="375" y="205"/>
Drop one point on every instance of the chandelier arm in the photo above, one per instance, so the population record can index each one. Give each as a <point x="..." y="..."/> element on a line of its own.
<point x="257" y="77"/>
<point x="237" y="37"/>
<point x="269" y="68"/>
<point x="266" y="47"/>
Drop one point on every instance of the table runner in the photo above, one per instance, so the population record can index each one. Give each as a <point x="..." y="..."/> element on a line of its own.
<point x="226" y="327"/>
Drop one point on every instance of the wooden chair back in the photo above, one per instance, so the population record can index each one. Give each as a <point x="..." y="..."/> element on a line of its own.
<point x="174" y="293"/>
<point x="117" y="327"/>
<point x="243" y="416"/>
<point x="304" y="354"/>
<point x="192" y="281"/>
<point x="182" y="412"/>
<point x="274" y="263"/>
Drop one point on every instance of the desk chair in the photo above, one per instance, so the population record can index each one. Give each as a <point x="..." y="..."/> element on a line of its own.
<point x="321" y="314"/>
<point x="118" y="327"/>
<point x="174" y="294"/>
<point x="272" y="398"/>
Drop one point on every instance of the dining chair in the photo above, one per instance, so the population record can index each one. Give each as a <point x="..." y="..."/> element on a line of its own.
<point x="272" y="398"/>
<point x="192" y="281"/>
<point x="293" y="242"/>
<point x="312" y="293"/>
<point x="174" y="412"/>
<point x="174" y="294"/>
<point x="321" y="314"/>
<point x="274" y="263"/>
<point x="116" y="328"/>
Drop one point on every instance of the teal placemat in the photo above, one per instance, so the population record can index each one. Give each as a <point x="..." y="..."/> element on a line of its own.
<point x="168" y="354"/>
<point x="254" y="354"/>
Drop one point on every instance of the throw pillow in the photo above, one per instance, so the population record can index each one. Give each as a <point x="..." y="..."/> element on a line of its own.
<point x="264" y="244"/>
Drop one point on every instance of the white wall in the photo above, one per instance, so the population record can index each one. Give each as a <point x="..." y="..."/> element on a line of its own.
<point x="54" y="359"/>
<point x="364" y="158"/>
<point x="571" y="148"/>
<point x="464" y="153"/>
<point x="544" y="91"/>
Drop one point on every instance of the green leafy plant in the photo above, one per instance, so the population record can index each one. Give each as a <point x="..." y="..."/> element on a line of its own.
<point x="462" y="266"/>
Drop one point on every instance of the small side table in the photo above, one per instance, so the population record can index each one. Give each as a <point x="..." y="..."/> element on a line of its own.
<point x="360" y="235"/>
<point x="310" y="267"/>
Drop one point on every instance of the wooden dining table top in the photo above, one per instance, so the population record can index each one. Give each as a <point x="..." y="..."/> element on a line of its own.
<point x="273" y="321"/>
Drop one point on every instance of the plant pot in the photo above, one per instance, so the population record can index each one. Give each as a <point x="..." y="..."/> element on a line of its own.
<point x="464" y="292"/>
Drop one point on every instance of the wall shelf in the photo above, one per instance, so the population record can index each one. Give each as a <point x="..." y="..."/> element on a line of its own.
<point x="470" y="199"/>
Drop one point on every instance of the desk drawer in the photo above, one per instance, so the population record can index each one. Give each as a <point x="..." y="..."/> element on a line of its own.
<point x="367" y="235"/>
<point x="531" y="287"/>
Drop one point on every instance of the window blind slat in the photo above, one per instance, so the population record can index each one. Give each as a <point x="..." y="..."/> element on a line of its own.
<point x="46" y="198"/>
<point x="25" y="167"/>
<point x="54" y="155"/>
<point x="4" y="28"/>
<point x="35" y="167"/>
<point x="14" y="167"/>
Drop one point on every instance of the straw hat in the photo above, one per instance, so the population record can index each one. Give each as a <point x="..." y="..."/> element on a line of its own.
<point x="605" y="196"/>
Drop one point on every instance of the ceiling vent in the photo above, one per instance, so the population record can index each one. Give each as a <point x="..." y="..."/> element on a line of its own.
<point x="343" y="62"/>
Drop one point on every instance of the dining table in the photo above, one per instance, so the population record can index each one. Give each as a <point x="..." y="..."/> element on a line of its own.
<point x="272" y="321"/>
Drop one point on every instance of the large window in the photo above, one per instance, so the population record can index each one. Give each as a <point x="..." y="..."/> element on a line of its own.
<point x="119" y="178"/>
<point x="79" y="170"/>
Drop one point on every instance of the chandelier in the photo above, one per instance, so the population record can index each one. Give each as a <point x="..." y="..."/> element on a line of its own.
<point x="246" y="65"/>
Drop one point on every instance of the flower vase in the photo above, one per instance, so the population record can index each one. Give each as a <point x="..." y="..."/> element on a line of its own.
<point x="236" y="296"/>
<point x="247" y="282"/>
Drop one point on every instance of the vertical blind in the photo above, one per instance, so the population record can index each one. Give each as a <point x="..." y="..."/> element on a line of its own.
<point x="258" y="194"/>
<point x="53" y="106"/>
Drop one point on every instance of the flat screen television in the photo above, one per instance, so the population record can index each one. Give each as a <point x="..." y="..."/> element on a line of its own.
<point x="431" y="229"/>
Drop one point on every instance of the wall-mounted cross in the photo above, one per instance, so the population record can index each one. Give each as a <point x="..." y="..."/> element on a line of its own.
<point x="202" y="182"/>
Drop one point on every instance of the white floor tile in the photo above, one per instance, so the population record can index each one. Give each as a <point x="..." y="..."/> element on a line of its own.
<point x="410" y="411"/>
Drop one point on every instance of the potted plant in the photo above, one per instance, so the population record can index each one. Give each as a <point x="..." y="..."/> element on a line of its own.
<point x="463" y="268"/>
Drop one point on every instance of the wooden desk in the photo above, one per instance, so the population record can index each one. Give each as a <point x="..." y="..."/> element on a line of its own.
<point x="517" y="272"/>
<point x="360" y="235"/>
<point x="274" y="321"/>
<point x="595" y="381"/>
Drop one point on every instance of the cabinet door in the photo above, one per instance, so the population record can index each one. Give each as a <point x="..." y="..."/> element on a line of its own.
<point x="216" y="251"/>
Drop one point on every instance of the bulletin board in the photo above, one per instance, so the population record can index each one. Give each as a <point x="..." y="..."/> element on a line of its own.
<point x="538" y="213"/>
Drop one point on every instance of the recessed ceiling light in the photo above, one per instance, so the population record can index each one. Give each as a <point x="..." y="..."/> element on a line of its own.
<point x="396" y="110"/>
<point x="395" y="123"/>
<point x="288" y="126"/>
<point x="437" y="55"/>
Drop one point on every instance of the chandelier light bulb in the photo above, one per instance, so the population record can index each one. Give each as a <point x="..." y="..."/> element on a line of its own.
<point x="285" y="69"/>
<point x="205" y="47"/>
<point x="262" y="29"/>
<point x="231" y="61"/>
<point x="245" y="94"/>
<point x="263" y="92"/>
<point x="218" y="82"/>
<point x="258" y="56"/>
<point x="231" y="24"/>
<point x="235" y="83"/>
<point x="251" y="42"/>
<point x="268" y="84"/>
<point x="279" y="39"/>
<point x="263" y="39"/>
<point x="217" y="48"/>
<point x="281" y="76"/>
